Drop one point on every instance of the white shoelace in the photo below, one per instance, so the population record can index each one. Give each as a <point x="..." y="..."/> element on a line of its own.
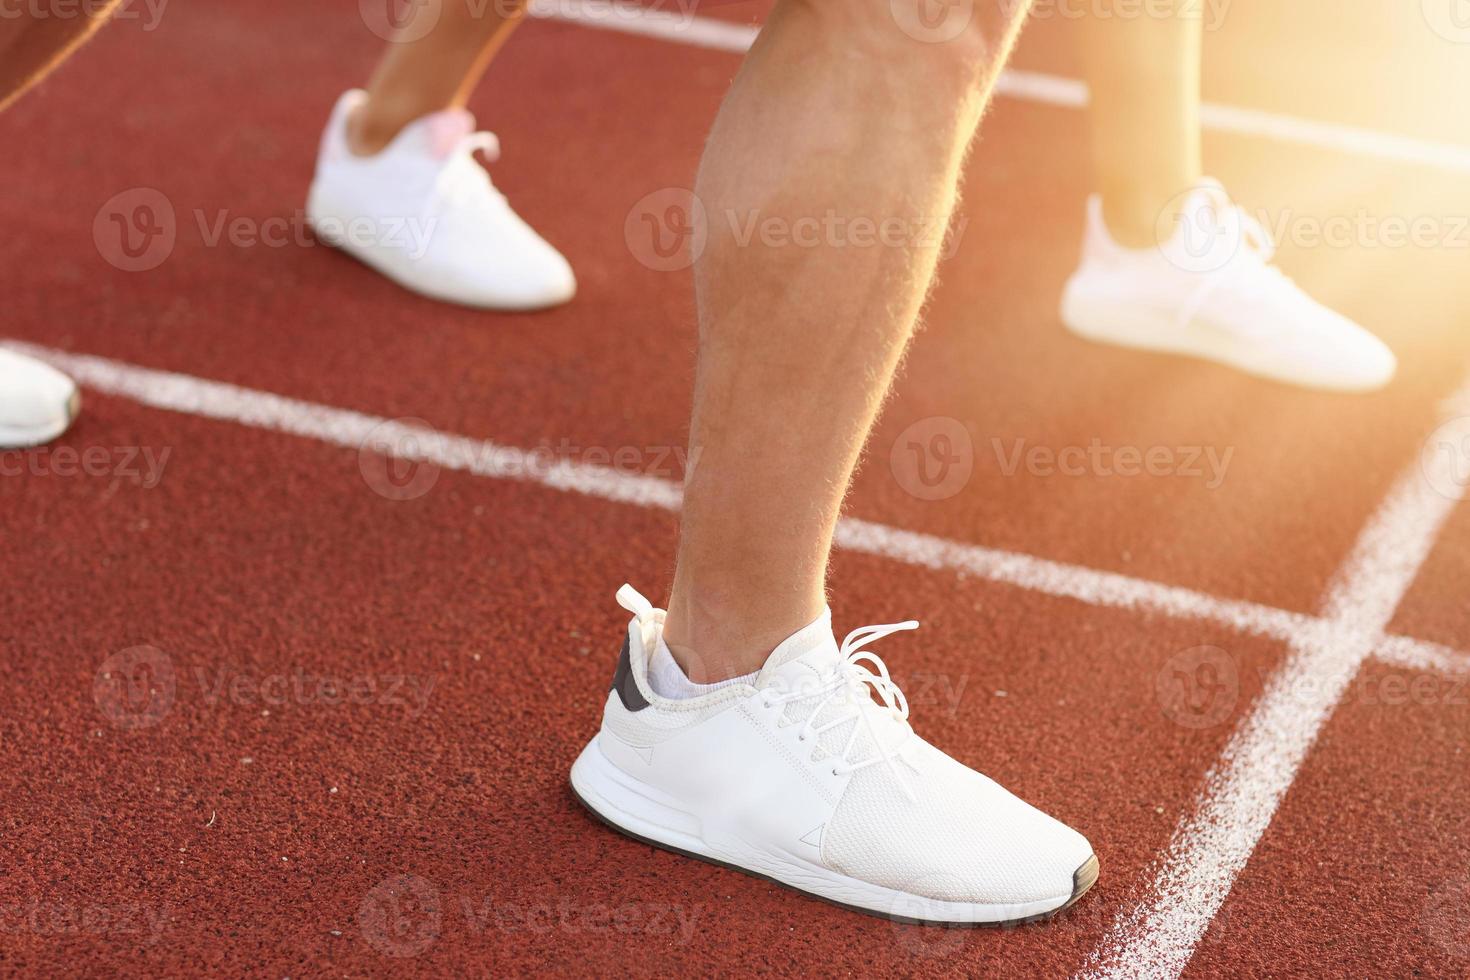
<point x="461" y="171"/>
<point x="853" y="681"/>
<point x="1254" y="240"/>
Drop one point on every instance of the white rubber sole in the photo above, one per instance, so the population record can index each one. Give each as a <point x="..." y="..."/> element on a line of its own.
<point x="17" y="437"/>
<point x="395" y="267"/>
<point x="648" y="815"/>
<point x="1126" y="325"/>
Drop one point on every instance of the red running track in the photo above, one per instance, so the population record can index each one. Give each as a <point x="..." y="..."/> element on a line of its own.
<point x="249" y="832"/>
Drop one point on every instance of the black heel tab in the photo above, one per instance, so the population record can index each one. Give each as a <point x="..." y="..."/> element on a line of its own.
<point x="624" y="683"/>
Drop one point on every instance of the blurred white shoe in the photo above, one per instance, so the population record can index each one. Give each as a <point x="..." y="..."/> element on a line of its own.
<point x="1210" y="291"/>
<point x="37" y="402"/>
<point x="424" y="213"/>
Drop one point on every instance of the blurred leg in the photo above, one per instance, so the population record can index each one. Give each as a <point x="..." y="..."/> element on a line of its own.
<point x="1144" y="72"/>
<point x="435" y="71"/>
<point x="33" y="46"/>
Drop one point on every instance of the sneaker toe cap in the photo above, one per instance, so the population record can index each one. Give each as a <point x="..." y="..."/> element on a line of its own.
<point x="963" y="838"/>
<point x="36" y="400"/>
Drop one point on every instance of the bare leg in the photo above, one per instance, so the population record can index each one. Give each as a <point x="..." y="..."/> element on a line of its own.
<point x="31" y="47"/>
<point x="435" y="71"/>
<point x="1144" y="72"/>
<point x="836" y="111"/>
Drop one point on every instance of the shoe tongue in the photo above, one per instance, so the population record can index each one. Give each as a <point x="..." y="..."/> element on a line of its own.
<point x="1209" y="233"/>
<point x="808" y="653"/>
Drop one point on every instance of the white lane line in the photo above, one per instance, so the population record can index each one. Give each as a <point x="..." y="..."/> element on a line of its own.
<point x="1055" y="90"/>
<point x="1420" y="655"/>
<point x="351" y="430"/>
<point x="653" y="21"/>
<point x="1246" y="785"/>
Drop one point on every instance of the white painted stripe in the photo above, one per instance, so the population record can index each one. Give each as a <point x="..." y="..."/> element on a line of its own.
<point x="1245" y="787"/>
<point x="350" y="430"/>
<point x="1420" y="655"/>
<point x="664" y="24"/>
<point x="655" y="21"/>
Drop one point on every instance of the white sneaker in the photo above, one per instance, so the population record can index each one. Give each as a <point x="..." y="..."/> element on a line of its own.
<point x="424" y="213"/>
<point x="802" y="778"/>
<point x="1211" y="291"/>
<point x="37" y="402"/>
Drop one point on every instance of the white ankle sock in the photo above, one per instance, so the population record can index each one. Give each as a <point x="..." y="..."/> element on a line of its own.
<point x="668" y="679"/>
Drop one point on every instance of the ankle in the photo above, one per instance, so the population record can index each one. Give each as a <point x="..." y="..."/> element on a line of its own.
<point x="1132" y="225"/>
<point x="370" y="129"/>
<point x="714" y="640"/>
